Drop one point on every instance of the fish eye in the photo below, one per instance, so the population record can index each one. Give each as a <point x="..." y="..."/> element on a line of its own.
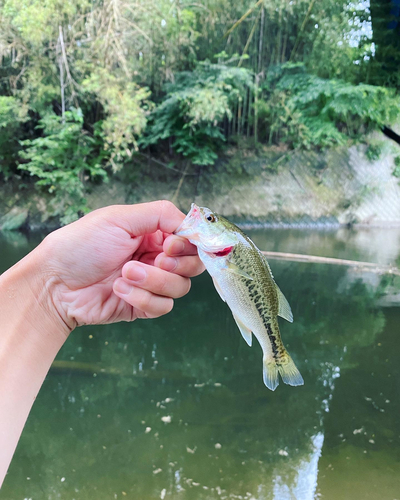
<point x="211" y="218"/>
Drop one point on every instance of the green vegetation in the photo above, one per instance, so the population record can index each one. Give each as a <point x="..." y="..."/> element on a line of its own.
<point x="86" y="85"/>
<point x="396" y="171"/>
<point x="63" y="158"/>
<point x="194" y="109"/>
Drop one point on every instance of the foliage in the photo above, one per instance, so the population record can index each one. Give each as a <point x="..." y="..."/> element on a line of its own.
<point x="306" y="110"/>
<point x="63" y="160"/>
<point x="299" y="72"/>
<point x="13" y="114"/>
<point x="374" y="151"/>
<point x="125" y="110"/>
<point x="194" y="108"/>
<point x="396" y="171"/>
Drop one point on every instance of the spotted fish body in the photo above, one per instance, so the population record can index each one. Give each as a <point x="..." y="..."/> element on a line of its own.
<point x="243" y="279"/>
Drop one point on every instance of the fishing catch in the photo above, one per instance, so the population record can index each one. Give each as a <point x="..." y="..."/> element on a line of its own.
<point x="243" y="279"/>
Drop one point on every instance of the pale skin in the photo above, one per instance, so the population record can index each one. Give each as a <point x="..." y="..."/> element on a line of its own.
<point x="118" y="263"/>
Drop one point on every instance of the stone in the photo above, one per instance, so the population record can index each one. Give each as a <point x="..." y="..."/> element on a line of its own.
<point x="14" y="219"/>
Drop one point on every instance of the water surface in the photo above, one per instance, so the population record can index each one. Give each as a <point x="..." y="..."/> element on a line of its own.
<point x="176" y="407"/>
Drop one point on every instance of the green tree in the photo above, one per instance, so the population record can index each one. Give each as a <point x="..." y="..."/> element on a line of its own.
<point x="63" y="160"/>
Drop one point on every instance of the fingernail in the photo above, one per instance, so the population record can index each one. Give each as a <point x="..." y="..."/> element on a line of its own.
<point x="136" y="273"/>
<point x="177" y="248"/>
<point x="169" y="263"/>
<point x="122" y="287"/>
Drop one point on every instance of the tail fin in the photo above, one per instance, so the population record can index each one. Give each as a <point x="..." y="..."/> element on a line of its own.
<point x="289" y="373"/>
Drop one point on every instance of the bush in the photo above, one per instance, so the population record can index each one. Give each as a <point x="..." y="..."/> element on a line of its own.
<point x="305" y="110"/>
<point x="12" y="114"/>
<point x="193" y="110"/>
<point x="63" y="159"/>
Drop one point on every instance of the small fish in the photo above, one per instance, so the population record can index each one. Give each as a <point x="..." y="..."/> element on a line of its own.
<point x="243" y="279"/>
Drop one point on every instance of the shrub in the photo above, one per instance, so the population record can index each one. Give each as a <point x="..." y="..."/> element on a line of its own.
<point x="63" y="159"/>
<point x="306" y="111"/>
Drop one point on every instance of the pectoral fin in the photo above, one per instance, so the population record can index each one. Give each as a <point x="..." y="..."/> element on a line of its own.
<point x="285" y="311"/>
<point x="246" y="333"/>
<point x="233" y="268"/>
<point x="218" y="288"/>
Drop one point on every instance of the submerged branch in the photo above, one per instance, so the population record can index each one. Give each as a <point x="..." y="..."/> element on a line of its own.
<point x="296" y="257"/>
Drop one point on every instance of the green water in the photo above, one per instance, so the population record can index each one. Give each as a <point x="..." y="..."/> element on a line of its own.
<point x="96" y="430"/>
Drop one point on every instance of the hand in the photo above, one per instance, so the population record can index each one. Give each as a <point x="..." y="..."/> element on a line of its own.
<point x="118" y="263"/>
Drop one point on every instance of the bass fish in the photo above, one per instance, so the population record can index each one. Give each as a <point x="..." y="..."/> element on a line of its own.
<point x="243" y="279"/>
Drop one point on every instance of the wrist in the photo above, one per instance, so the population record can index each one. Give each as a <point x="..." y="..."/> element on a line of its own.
<point x="27" y="292"/>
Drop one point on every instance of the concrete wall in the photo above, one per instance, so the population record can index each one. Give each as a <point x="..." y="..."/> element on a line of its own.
<point x="339" y="186"/>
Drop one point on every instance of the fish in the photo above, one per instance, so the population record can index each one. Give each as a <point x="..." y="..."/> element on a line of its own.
<point x="243" y="279"/>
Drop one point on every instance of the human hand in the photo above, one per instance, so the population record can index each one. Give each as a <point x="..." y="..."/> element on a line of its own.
<point x="117" y="263"/>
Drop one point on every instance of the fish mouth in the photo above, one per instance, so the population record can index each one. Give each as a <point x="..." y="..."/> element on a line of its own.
<point x="186" y="228"/>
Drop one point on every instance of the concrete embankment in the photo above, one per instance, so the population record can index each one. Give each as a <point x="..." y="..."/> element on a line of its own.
<point x="271" y="187"/>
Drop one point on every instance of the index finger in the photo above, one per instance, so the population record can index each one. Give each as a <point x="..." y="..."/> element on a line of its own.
<point x="176" y="245"/>
<point x="144" y="218"/>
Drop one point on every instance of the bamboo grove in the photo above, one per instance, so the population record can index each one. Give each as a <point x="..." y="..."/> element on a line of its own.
<point x="87" y="86"/>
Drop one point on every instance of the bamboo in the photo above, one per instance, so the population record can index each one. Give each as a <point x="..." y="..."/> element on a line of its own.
<point x="300" y="33"/>
<point x="253" y="29"/>
<point x="285" y="40"/>
<point x="234" y="121"/>
<point x="279" y="37"/>
<point x="260" y="45"/>
<point x="62" y="87"/>
<point x="255" y="131"/>
<point x="243" y="125"/>
<point x="248" y="112"/>
<point x="243" y="17"/>
<point x="296" y="257"/>
<point x="239" y="118"/>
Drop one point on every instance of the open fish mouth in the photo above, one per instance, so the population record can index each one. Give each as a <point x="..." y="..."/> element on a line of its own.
<point x="187" y="227"/>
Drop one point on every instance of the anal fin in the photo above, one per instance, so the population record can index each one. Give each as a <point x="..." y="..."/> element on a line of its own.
<point x="246" y="332"/>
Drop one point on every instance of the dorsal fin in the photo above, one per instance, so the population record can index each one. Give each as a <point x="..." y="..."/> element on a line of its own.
<point x="285" y="311"/>
<point x="267" y="264"/>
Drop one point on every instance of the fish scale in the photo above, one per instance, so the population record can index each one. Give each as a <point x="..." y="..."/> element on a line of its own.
<point x="259" y="294"/>
<point x="244" y="280"/>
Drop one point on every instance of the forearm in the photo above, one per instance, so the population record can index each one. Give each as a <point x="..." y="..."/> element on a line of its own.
<point x="77" y="276"/>
<point x="30" y="337"/>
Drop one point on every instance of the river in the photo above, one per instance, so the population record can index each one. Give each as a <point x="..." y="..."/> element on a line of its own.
<point x="176" y="408"/>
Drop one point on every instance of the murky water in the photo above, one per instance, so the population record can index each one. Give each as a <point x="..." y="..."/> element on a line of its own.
<point x="176" y="407"/>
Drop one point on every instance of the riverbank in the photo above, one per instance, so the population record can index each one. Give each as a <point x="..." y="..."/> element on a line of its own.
<point x="270" y="187"/>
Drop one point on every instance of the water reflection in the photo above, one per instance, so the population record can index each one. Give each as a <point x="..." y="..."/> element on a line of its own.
<point x="176" y="408"/>
<point x="305" y="484"/>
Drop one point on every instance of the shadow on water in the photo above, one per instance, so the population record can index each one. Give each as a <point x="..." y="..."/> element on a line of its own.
<point x="176" y="407"/>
